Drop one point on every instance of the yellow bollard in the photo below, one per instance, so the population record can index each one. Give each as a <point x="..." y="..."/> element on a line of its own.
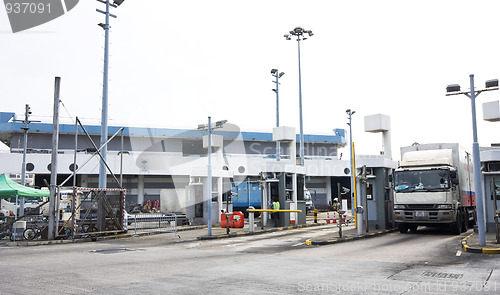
<point x="315" y="215"/>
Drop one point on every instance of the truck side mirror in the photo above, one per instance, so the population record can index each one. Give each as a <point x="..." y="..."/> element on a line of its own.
<point x="390" y="177"/>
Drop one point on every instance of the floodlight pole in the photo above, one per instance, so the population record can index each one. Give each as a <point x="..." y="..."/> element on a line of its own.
<point x="352" y="168"/>
<point x="472" y="94"/>
<point x="209" y="176"/>
<point x="477" y="167"/>
<point x="101" y="222"/>
<point x="209" y="127"/>
<point x="299" y="33"/>
<point x="275" y="73"/>
<point x="104" y="111"/>
<point x="300" y="109"/>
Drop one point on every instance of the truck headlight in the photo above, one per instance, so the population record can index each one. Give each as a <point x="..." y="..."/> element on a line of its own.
<point x="396" y="207"/>
<point x="444" y="207"/>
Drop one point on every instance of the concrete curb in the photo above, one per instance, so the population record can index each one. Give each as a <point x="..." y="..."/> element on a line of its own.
<point x="478" y="250"/>
<point x="270" y="230"/>
<point x="354" y="238"/>
<point x="129" y="234"/>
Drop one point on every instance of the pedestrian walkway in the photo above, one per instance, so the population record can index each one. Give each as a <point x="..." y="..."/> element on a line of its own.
<point x="350" y="234"/>
<point x="471" y="244"/>
<point x="200" y="232"/>
<point x="219" y="233"/>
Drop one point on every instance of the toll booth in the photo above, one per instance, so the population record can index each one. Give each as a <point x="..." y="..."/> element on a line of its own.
<point x="490" y="161"/>
<point x="282" y="187"/>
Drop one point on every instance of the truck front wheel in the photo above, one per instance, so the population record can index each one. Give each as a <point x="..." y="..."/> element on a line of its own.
<point x="403" y="228"/>
<point x="464" y="221"/>
<point x="456" y="227"/>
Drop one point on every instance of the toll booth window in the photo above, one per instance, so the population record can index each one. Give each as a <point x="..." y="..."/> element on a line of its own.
<point x="288" y="182"/>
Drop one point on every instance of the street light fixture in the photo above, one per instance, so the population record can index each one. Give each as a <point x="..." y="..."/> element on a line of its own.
<point x="299" y="33"/>
<point x="209" y="127"/>
<point x="275" y="73"/>
<point x="454" y="89"/>
<point x="117" y="3"/>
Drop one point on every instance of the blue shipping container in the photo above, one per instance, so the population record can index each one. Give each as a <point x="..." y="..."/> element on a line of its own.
<point x="249" y="194"/>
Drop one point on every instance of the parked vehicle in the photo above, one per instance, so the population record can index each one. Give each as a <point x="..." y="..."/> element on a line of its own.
<point x="308" y="199"/>
<point x="6" y="208"/>
<point x="434" y="187"/>
<point x="248" y="193"/>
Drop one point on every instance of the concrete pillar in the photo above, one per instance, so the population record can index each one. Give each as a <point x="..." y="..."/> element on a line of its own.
<point x="219" y="196"/>
<point x="381" y="123"/>
<point x="329" y="188"/>
<point x="140" y="189"/>
<point x="386" y="137"/>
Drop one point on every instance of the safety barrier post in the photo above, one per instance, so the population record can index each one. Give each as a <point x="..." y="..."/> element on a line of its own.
<point x="135" y="225"/>
<point x="341" y="219"/>
<point x="228" y="214"/>
<point x="176" y="234"/>
<point x="315" y="215"/>
<point x="250" y="219"/>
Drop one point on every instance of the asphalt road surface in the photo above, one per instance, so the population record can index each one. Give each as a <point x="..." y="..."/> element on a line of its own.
<point x="427" y="262"/>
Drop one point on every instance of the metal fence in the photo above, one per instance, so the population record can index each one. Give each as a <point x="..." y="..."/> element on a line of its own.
<point x="154" y="222"/>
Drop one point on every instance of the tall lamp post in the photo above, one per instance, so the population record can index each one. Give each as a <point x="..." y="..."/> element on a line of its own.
<point x="209" y="127"/>
<point x="352" y="168"/>
<point x="299" y="33"/>
<point x="454" y="89"/>
<point x="104" y="114"/>
<point x="275" y="74"/>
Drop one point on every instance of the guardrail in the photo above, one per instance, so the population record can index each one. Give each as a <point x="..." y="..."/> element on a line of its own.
<point x="151" y="222"/>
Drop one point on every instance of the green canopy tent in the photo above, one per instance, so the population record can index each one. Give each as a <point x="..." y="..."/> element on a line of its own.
<point x="10" y="188"/>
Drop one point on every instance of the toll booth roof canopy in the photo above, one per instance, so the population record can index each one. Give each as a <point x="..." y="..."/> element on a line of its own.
<point x="9" y="188"/>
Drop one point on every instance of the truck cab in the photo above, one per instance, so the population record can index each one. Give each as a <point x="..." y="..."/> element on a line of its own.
<point x="432" y="187"/>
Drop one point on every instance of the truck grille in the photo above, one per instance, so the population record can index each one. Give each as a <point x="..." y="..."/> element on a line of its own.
<point x="420" y="206"/>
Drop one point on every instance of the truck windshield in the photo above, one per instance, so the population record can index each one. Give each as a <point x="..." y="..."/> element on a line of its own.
<point x="422" y="180"/>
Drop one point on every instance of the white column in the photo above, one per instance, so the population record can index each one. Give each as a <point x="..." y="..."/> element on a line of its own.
<point x="329" y="188"/>
<point x="140" y="189"/>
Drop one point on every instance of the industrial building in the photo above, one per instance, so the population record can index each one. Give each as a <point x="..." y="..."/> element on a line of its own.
<point x="171" y="164"/>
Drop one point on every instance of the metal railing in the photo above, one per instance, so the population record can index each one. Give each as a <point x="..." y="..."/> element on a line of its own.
<point x="154" y="222"/>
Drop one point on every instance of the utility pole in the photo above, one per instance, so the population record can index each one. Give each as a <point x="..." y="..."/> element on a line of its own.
<point x="25" y="128"/>
<point x="54" y="198"/>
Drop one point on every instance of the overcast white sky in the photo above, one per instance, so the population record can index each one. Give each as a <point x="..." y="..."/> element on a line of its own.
<point x="173" y="63"/>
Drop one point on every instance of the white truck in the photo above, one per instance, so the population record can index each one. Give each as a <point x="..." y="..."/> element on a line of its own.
<point x="433" y="186"/>
<point x="6" y="208"/>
